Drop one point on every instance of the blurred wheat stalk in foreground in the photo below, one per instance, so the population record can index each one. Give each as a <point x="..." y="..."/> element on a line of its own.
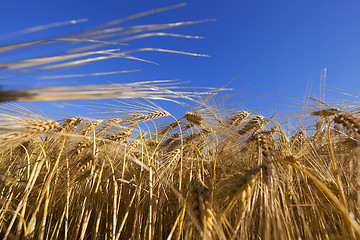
<point x="214" y="173"/>
<point x="81" y="50"/>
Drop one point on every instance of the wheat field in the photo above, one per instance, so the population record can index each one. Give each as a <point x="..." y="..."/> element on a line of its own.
<point x="215" y="173"/>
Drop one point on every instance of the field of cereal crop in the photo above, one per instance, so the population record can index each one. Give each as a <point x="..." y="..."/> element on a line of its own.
<point x="217" y="172"/>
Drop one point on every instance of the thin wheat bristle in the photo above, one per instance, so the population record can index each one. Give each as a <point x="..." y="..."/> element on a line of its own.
<point x="194" y="118"/>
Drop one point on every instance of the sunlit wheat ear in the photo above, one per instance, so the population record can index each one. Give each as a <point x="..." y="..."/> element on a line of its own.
<point x="200" y="201"/>
<point x="145" y="90"/>
<point x="82" y="146"/>
<point x="297" y="140"/>
<point x="265" y="141"/>
<point x="120" y="134"/>
<point x="70" y="124"/>
<point x="173" y="156"/>
<point x="140" y="117"/>
<point x="37" y="126"/>
<point x="201" y="134"/>
<point x="41" y="125"/>
<point x="237" y="119"/>
<point x="319" y="125"/>
<point x="171" y="138"/>
<point x="155" y="114"/>
<point x="31" y="128"/>
<point x="81" y="168"/>
<point x="326" y="112"/>
<point x="107" y="125"/>
<point x="169" y="163"/>
<point x="194" y="118"/>
<point x="11" y="138"/>
<point x="89" y="127"/>
<point x="319" y="133"/>
<point x="350" y="122"/>
<point x="133" y="145"/>
<point x="237" y="188"/>
<point x="253" y="124"/>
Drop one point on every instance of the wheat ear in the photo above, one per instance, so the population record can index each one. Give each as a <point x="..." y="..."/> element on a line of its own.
<point x="32" y="129"/>
<point x="254" y="124"/>
<point x="237" y="188"/>
<point x="194" y="118"/>
<point x="350" y="122"/>
<point x="326" y="112"/>
<point x="201" y="205"/>
<point x="238" y="118"/>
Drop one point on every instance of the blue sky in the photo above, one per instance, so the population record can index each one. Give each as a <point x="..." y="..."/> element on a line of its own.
<point x="277" y="46"/>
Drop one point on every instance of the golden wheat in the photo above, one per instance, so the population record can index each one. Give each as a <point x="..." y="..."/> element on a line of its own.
<point x="135" y="176"/>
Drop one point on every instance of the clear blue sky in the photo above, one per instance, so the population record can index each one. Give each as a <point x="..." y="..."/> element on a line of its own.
<point x="278" y="45"/>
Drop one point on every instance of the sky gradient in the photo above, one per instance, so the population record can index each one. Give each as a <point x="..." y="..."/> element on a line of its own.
<point x="277" y="47"/>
